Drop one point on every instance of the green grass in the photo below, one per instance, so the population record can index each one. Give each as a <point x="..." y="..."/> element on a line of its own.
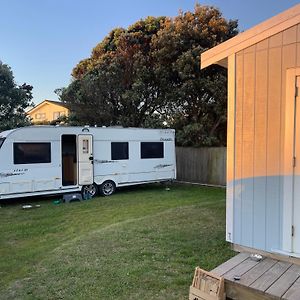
<point x="141" y="243"/>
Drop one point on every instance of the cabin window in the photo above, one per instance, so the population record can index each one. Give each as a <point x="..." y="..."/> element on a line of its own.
<point x="32" y="153"/>
<point x="119" y="150"/>
<point x="152" y="150"/>
<point x="1" y="141"/>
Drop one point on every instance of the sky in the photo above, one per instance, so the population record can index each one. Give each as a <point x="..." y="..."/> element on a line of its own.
<point x="43" y="40"/>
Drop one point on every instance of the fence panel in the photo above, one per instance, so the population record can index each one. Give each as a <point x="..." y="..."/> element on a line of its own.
<point x="201" y="165"/>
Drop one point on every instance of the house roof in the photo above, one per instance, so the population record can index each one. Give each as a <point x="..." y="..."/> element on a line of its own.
<point x="272" y="26"/>
<point x="45" y="102"/>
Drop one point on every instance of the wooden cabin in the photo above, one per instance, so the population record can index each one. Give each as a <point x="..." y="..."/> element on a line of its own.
<point x="263" y="146"/>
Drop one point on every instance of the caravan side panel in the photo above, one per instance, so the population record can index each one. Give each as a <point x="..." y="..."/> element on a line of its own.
<point x="19" y="176"/>
<point x="134" y="169"/>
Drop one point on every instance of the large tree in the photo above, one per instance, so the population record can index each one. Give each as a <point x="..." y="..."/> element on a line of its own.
<point x="149" y="75"/>
<point x="198" y="110"/>
<point x="117" y="84"/>
<point x="13" y="100"/>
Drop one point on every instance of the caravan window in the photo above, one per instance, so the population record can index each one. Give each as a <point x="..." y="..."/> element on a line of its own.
<point x="152" y="150"/>
<point x="32" y="153"/>
<point x="1" y="141"/>
<point x="119" y="150"/>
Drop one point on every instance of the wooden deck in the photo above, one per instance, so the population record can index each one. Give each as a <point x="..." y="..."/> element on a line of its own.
<point x="266" y="279"/>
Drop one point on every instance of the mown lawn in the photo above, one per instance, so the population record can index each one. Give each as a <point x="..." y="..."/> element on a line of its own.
<point x="141" y="243"/>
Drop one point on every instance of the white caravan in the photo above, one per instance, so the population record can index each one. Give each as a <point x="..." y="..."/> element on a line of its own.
<point x="44" y="160"/>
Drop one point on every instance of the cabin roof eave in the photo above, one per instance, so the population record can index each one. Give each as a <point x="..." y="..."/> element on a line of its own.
<point x="272" y="26"/>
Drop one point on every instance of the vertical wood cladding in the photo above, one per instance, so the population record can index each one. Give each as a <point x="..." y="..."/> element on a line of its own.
<point x="259" y="138"/>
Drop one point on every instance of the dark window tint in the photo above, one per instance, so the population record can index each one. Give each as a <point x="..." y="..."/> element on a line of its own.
<point x="152" y="150"/>
<point x="119" y="150"/>
<point x="32" y="153"/>
<point x="1" y="141"/>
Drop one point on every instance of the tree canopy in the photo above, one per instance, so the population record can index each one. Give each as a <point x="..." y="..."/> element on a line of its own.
<point x="149" y="75"/>
<point x="13" y="100"/>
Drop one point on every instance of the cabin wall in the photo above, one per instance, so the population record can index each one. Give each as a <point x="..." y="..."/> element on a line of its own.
<point x="255" y="182"/>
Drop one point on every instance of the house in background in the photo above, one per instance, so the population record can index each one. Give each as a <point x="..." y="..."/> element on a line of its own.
<point x="47" y="111"/>
<point x="263" y="146"/>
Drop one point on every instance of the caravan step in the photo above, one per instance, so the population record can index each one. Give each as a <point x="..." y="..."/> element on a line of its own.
<point x="72" y="197"/>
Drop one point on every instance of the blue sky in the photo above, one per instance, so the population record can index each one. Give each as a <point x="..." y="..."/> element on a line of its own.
<point x="42" y="40"/>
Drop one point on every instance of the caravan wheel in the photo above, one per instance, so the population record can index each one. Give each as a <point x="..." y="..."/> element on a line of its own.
<point x="107" y="188"/>
<point x="90" y="190"/>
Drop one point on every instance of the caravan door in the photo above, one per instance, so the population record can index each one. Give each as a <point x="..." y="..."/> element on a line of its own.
<point x="85" y="159"/>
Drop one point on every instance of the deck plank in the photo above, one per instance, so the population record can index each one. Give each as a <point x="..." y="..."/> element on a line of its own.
<point x="269" y="277"/>
<point x="230" y="264"/>
<point x="240" y="269"/>
<point x="253" y="274"/>
<point x="293" y="293"/>
<point x="287" y="279"/>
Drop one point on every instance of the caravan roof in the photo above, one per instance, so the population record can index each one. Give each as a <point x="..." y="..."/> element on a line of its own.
<point x="49" y="132"/>
<point x="4" y="134"/>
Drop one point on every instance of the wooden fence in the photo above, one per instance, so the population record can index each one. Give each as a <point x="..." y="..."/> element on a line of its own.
<point x="201" y="165"/>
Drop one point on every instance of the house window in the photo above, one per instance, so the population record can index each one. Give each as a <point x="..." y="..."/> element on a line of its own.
<point x="40" y="116"/>
<point x="152" y="150"/>
<point x="119" y="150"/>
<point x="32" y="153"/>
<point x="58" y="114"/>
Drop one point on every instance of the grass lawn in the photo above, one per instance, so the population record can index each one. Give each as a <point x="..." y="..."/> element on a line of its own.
<point x="141" y="243"/>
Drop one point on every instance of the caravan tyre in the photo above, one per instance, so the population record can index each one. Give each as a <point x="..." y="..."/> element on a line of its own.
<point x="90" y="190"/>
<point x="107" y="188"/>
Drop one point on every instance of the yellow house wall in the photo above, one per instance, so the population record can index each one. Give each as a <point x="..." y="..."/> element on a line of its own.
<point x="48" y="109"/>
